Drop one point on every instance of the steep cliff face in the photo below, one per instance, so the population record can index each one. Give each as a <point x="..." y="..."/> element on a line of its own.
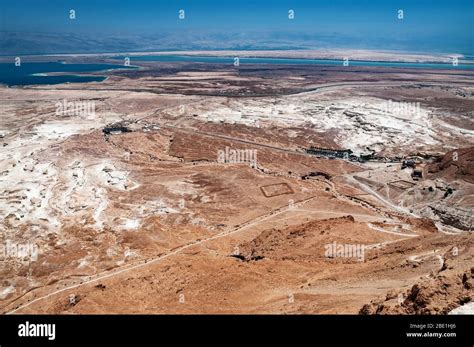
<point x="455" y="164"/>
<point x="441" y="291"/>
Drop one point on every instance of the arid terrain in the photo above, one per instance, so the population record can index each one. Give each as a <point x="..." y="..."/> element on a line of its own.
<point x="207" y="188"/>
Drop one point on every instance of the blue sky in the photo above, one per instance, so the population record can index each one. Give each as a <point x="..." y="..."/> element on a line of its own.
<point x="439" y="25"/>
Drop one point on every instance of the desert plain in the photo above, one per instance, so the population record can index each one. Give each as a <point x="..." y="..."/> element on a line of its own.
<point x="359" y="199"/>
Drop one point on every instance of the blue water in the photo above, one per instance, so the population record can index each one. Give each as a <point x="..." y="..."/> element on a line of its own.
<point x="286" y="61"/>
<point x="27" y="73"/>
<point x="35" y="73"/>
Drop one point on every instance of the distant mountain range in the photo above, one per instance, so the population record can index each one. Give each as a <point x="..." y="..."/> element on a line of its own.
<point x="22" y="43"/>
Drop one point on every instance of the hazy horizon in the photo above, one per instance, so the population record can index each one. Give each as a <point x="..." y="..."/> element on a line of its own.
<point x="45" y="27"/>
